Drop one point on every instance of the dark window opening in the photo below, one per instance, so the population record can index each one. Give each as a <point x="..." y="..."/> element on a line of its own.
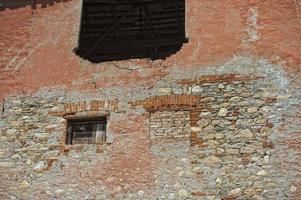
<point x="124" y="29"/>
<point x="86" y="131"/>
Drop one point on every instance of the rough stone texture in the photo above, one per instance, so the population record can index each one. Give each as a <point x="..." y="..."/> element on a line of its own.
<point x="242" y="155"/>
<point x="36" y="44"/>
<point x="169" y="124"/>
<point x="237" y="77"/>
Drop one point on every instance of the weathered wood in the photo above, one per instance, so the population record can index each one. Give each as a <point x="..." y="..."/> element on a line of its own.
<point x="129" y="29"/>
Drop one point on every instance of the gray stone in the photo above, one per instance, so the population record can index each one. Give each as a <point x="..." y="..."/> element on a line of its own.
<point x="110" y="138"/>
<point x="260" y="120"/>
<point x="257" y="197"/>
<point x="204" y="122"/>
<point x="244" y="123"/>
<point x="59" y="192"/>
<point x="219" y="136"/>
<point x="261" y="173"/>
<point x="225" y="105"/>
<point x="205" y="115"/>
<point x="6" y="164"/>
<point x="246" y="133"/>
<point x="211" y="160"/>
<point x="16" y="123"/>
<point x="235" y="191"/>
<point x="41" y="136"/>
<point x="207" y="99"/>
<point x="16" y="157"/>
<point x="245" y="94"/>
<point x="208" y="129"/>
<point x="178" y="91"/>
<point x="182" y="193"/>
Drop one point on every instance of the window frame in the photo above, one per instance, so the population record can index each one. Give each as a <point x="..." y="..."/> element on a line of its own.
<point x="96" y="135"/>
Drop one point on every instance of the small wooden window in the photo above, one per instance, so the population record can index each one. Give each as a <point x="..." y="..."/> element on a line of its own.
<point x="86" y="131"/>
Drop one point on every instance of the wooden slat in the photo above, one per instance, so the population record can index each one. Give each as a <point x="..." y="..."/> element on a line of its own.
<point x="108" y="28"/>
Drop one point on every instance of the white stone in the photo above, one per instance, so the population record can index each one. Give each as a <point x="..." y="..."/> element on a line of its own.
<point x="284" y="97"/>
<point x="24" y="184"/>
<point x="59" y="192"/>
<point x="164" y="91"/>
<point x="16" y="157"/>
<point x="293" y="188"/>
<point x="196" y="169"/>
<point x="196" y="129"/>
<point x="234" y="99"/>
<point x="51" y="127"/>
<point x="5" y="164"/>
<point x="11" y="131"/>
<point x="3" y="139"/>
<point x="223" y="112"/>
<point x="261" y="173"/>
<point x="266" y="159"/>
<point x="181" y="173"/>
<point x="177" y="185"/>
<point x="218" y="181"/>
<point x="171" y="196"/>
<point x="252" y="110"/>
<point x="182" y="193"/>
<point x="110" y="138"/>
<point x="205" y="115"/>
<point x="212" y="160"/>
<point x="220" y="86"/>
<point x="140" y="193"/>
<point x="177" y="90"/>
<point x="109" y="179"/>
<point x="196" y="90"/>
<point x="211" y="198"/>
<point x="257" y="197"/>
<point x="235" y="191"/>
<point x="39" y="167"/>
<point x="55" y="109"/>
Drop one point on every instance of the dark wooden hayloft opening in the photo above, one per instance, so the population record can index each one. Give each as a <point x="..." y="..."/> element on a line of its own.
<point x="123" y="29"/>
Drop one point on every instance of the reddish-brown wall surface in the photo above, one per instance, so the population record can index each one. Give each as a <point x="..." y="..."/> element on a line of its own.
<point x="36" y="45"/>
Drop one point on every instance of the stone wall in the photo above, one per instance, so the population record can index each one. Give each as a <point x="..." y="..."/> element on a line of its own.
<point x="169" y="124"/>
<point x="241" y="139"/>
<point x="37" y="51"/>
<point x="237" y="77"/>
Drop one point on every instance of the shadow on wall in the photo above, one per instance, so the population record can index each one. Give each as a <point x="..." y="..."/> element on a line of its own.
<point x="14" y="4"/>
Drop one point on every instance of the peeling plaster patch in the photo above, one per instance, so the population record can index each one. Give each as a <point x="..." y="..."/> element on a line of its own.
<point x="298" y="7"/>
<point x="252" y="28"/>
<point x="197" y="50"/>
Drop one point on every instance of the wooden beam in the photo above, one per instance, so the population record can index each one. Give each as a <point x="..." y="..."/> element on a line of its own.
<point x="108" y="31"/>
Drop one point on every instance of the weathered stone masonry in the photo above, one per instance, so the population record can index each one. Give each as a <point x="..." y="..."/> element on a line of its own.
<point x="222" y="141"/>
<point x="218" y="120"/>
